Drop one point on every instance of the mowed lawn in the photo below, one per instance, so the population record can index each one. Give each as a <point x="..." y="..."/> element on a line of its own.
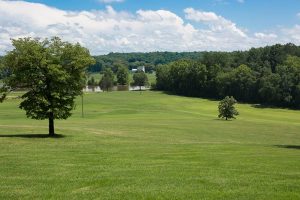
<point x="151" y="146"/>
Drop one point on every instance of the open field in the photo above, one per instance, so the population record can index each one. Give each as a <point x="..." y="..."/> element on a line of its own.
<point x="151" y="146"/>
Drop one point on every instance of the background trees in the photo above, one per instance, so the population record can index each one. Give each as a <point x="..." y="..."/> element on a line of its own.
<point x="187" y="77"/>
<point x="92" y="83"/>
<point x="240" y="82"/>
<point x="133" y="60"/>
<point x="268" y="75"/>
<point x="140" y="79"/>
<point x="52" y="73"/>
<point x="122" y="75"/>
<point x="107" y="80"/>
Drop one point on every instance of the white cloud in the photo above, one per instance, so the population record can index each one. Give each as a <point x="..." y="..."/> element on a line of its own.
<point x="108" y="30"/>
<point x="265" y="36"/>
<point x="292" y="34"/>
<point x="263" y="39"/>
<point x="298" y="14"/>
<point x="241" y="1"/>
<point x="110" y="1"/>
<point x="215" y="22"/>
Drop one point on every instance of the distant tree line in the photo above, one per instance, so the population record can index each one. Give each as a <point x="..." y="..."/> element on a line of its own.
<point x="269" y="75"/>
<point x="133" y="60"/>
<point x="107" y="80"/>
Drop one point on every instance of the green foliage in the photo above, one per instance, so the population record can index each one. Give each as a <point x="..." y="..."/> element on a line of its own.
<point x="107" y="80"/>
<point x="268" y="75"/>
<point x="163" y="77"/>
<point x="52" y="73"/>
<point x="239" y="82"/>
<point x="242" y="74"/>
<point x="92" y="82"/>
<point x="188" y="77"/>
<point x="270" y="88"/>
<point x="122" y="75"/>
<point x="227" y="109"/>
<point x="133" y="60"/>
<point x="140" y="79"/>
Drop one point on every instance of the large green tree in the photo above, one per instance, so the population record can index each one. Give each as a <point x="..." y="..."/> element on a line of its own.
<point x="52" y="74"/>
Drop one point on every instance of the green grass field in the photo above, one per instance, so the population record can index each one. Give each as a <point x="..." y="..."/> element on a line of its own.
<point x="151" y="146"/>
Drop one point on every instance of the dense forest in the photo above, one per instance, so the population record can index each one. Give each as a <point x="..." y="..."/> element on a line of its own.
<point x="269" y="75"/>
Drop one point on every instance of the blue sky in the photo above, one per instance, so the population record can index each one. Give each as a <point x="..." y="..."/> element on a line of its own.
<point x="157" y="25"/>
<point x="253" y="14"/>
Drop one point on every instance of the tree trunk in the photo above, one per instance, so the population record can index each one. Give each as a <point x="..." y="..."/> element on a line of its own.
<point x="140" y="88"/>
<point x="51" y="124"/>
<point x="226" y="118"/>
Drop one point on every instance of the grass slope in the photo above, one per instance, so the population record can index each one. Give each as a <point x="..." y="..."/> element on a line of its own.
<point x="151" y="146"/>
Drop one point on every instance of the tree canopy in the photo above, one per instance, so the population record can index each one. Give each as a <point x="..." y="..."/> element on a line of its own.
<point x="227" y="109"/>
<point x="268" y="75"/>
<point x="107" y="80"/>
<point x="52" y="74"/>
<point x="122" y="75"/>
<point x="140" y="79"/>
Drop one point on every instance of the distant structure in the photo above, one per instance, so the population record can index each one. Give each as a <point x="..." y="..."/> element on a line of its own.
<point x="140" y="68"/>
<point x="92" y="89"/>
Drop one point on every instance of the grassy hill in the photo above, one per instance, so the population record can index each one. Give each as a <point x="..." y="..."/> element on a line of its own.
<point x="151" y="146"/>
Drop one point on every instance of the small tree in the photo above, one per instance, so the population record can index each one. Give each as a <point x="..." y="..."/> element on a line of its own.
<point x="122" y="75"/>
<point x="140" y="79"/>
<point x="107" y="80"/>
<point x="227" y="109"/>
<point x="92" y="83"/>
<point x="52" y="74"/>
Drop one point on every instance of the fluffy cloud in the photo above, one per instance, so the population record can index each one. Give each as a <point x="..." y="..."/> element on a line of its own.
<point x="292" y="34"/>
<point x="265" y="36"/>
<point x="108" y="30"/>
<point x="215" y="22"/>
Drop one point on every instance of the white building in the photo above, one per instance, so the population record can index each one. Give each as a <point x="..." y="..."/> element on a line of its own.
<point x="140" y="68"/>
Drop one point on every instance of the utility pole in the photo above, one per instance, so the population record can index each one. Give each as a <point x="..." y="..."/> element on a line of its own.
<point x="82" y="115"/>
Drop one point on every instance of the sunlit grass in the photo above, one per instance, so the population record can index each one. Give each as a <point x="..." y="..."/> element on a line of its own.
<point x="150" y="146"/>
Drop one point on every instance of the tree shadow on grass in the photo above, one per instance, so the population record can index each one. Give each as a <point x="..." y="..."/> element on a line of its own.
<point x="224" y="120"/>
<point x="289" y="146"/>
<point x="31" y="136"/>
<point x="264" y="106"/>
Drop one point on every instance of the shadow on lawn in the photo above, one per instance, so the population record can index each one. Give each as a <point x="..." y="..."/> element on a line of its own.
<point x="288" y="146"/>
<point x="264" y="106"/>
<point x="31" y="136"/>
